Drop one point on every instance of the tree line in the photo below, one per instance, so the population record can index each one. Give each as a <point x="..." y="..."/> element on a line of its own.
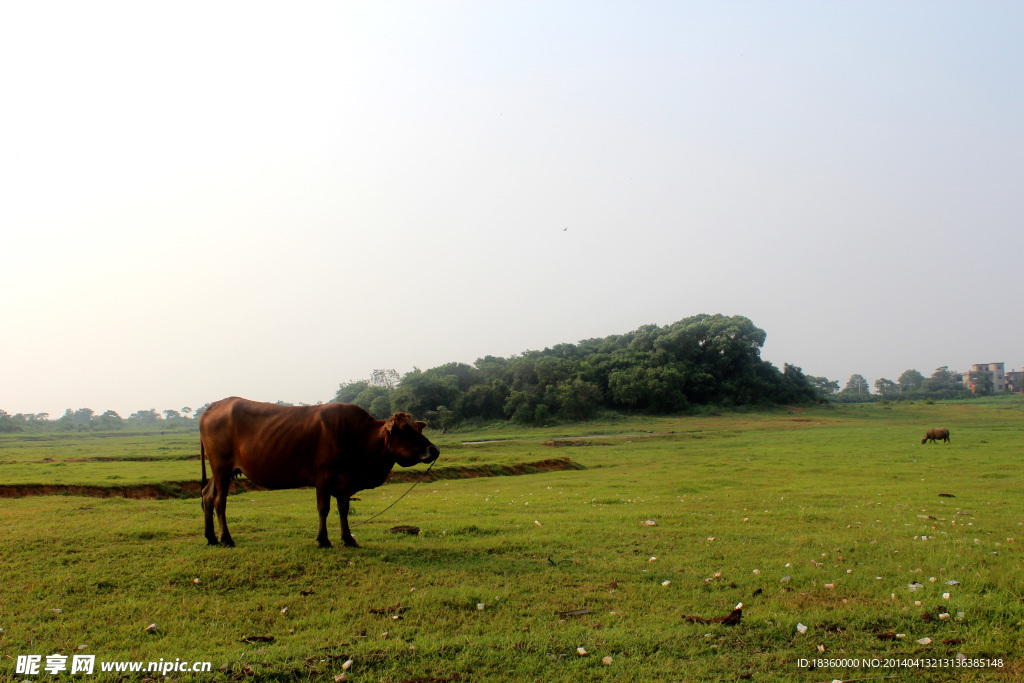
<point x="910" y="386"/>
<point x="704" y="360"/>
<point x="85" y="419"/>
<point x="701" y="361"/>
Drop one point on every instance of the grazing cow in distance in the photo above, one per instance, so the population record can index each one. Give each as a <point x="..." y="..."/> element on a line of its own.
<point x="937" y="433"/>
<point x="338" y="448"/>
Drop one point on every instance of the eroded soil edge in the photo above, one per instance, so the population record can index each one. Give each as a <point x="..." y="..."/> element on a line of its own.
<point x="190" y="489"/>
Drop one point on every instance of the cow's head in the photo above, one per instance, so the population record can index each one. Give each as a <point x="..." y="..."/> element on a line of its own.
<point x="403" y="438"/>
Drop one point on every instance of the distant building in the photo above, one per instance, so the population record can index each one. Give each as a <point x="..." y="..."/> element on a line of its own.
<point x="1014" y="381"/>
<point x="995" y="371"/>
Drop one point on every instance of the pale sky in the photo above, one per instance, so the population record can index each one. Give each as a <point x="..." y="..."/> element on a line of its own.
<point x="204" y="199"/>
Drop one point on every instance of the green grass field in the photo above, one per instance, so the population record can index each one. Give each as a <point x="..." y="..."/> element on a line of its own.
<point x="827" y="518"/>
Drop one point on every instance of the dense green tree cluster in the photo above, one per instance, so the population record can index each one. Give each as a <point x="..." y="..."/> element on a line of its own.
<point x="699" y="361"/>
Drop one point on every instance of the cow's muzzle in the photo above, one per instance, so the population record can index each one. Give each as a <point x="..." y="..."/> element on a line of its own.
<point x="431" y="455"/>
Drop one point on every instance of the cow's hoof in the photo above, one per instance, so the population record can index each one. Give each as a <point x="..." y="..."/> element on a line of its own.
<point x="228" y="543"/>
<point x="326" y="544"/>
<point x="351" y="543"/>
<point x="212" y="541"/>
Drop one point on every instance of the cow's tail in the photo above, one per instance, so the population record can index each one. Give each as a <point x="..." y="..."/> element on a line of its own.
<point x="202" y="458"/>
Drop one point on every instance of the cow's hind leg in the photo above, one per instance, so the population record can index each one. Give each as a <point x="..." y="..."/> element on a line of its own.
<point x="346" y="533"/>
<point x="323" y="508"/>
<point x="220" y="502"/>
<point x="207" y="501"/>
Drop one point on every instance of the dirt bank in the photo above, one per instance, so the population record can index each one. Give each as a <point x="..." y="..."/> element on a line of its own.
<point x="190" y="489"/>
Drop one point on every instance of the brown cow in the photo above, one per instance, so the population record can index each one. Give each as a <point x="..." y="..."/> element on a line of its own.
<point x="937" y="433"/>
<point x="337" y="448"/>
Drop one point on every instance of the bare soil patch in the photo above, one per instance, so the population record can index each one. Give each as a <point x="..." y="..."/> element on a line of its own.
<point x="191" y="489"/>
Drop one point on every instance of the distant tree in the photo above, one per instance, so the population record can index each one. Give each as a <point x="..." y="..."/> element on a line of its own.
<point x="380" y="407"/>
<point x="942" y="379"/>
<point x="886" y="387"/>
<point x="628" y="387"/>
<point x="857" y="385"/>
<point x="347" y="392"/>
<point x="80" y="420"/>
<point x="172" y="415"/>
<point x="982" y="383"/>
<point x="110" y="420"/>
<point x="492" y="365"/>
<point x="911" y="380"/>
<point x="186" y="411"/>
<point x="7" y="423"/>
<point x="66" y="422"/>
<point x="145" y="416"/>
<point x="387" y="378"/>
<point x="661" y="388"/>
<point x="443" y="417"/>
<point x="370" y="394"/>
<point x="520" y="408"/>
<point x="381" y="381"/>
<point x="795" y="387"/>
<point x="577" y="399"/>
<point x="421" y="391"/>
<point x="824" y="386"/>
<point x="486" y="400"/>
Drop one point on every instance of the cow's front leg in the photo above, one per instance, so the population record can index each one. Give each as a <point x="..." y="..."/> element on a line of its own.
<point x="346" y="533"/>
<point x="323" y="507"/>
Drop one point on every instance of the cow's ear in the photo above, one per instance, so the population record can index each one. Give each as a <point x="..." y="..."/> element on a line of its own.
<point x="420" y="425"/>
<point x="389" y="424"/>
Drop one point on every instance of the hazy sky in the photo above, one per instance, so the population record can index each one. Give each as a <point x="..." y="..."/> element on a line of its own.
<point x="202" y="199"/>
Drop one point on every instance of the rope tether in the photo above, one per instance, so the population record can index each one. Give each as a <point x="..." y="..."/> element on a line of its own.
<point x="422" y="479"/>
